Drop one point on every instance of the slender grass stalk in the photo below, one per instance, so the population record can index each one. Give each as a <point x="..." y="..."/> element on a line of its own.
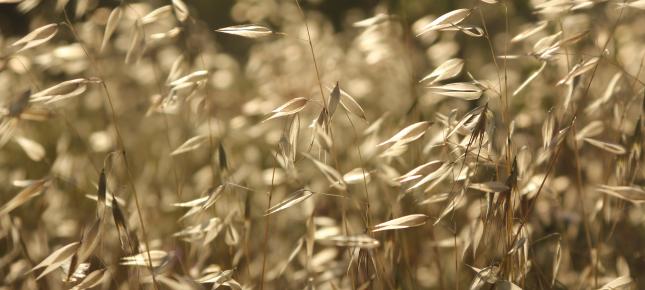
<point x="119" y="139"/>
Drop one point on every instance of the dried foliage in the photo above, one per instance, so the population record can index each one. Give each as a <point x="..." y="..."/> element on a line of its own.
<point x="399" y="145"/>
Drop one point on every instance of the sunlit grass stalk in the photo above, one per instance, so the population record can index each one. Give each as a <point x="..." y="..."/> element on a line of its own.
<point x="120" y="145"/>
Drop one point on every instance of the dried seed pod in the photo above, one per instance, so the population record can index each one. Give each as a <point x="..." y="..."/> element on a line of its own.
<point x="247" y="30"/>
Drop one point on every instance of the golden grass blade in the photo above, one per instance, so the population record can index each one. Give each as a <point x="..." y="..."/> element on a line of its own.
<point x="137" y="45"/>
<point x="190" y="145"/>
<point x="638" y="4"/>
<point x="548" y="128"/>
<point x="92" y="279"/>
<point x="289" y="108"/>
<point x="618" y="283"/>
<point x="609" y="92"/>
<point x="332" y="175"/>
<point x="215" y="227"/>
<point x="195" y="232"/>
<point x="296" y="198"/>
<point x="435" y="198"/>
<point x="176" y="69"/>
<point x="90" y="240"/>
<point x="468" y="122"/>
<point x="57" y="258"/>
<point x="396" y="150"/>
<point x="169" y="34"/>
<point x="193" y="77"/>
<point x="357" y="175"/>
<point x="64" y="90"/>
<point x="447" y="70"/>
<point x="76" y="92"/>
<point x="33" y="149"/>
<point x="476" y="233"/>
<point x="443" y="177"/>
<point x="61" y="254"/>
<point x="450" y="207"/>
<point x="609" y="147"/>
<point x="193" y="203"/>
<point x="559" y="137"/>
<point x="592" y="129"/>
<point x="234" y="285"/>
<point x="23" y="182"/>
<point x="464" y="91"/>
<point x="446" y="20"/>
<point x="74" y="271"/>
<point x="232" y="237"/>
<point x="324" y="258"/>
<point x="488" y="275"/>
<point x="289" y="141"/>
<point x="445" y="168"/>
<point x="247" y="30"/>
<point x="408" y="134"/>
<point x="157" y="258"/>
<point x="374" y="20"/>
<point x="25" y="195"/>
<point x="473" y="31"/>
<point x="213" y="196"/>
<point x="37" y="37"/>
<point x="537" y="27"/>
<point x="310" y="236"/>
<point x="36" y="114"/>
<point x="632" y="194"/>
<point x="517" y="246"/>
<point x="556" y="262"/>
<point x="181" y="10"/>
<point x="357" y="241"/>
<point x="217" y="278"/>
<point x="419" y="171"/>
<point x="404" y="222"/>
<point x="351" y="105"/>
<point x="579" y="69"/>
<point x="157" y="14"/>
<point x="574" y="39"/>
<point x="546" y="43"/>
<point x="622" y="268"/>
<point x="491" y="186"/>
<point x="292" y="256"/>
<point x="528" y="80"/>
<point x="108" y="199"/>
<point x="192" y="211"/>
<point x="110" y="27"/>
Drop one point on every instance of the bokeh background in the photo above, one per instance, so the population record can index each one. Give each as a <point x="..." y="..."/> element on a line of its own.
<point x="576" y="236"/>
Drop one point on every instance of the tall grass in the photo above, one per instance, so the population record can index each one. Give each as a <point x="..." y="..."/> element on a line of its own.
<point x="411" y="145"/>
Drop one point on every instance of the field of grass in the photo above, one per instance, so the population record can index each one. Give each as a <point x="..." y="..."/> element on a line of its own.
<point x="312" y="144"/>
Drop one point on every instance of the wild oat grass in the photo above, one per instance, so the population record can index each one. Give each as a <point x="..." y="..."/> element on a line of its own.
<point x="397" y="145"/>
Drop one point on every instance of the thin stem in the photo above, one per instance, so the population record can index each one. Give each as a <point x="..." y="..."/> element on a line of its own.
<point x="313" y="55"/>
<point x="267" y="224"/>
<point x="119" y="143"/>
<point x="579" y="186"/>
